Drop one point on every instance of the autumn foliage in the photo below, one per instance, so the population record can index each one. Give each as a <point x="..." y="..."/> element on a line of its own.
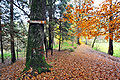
<point x="94" y="21"/>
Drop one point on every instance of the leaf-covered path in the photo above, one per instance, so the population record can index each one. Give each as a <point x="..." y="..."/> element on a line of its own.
<point x="83" y="64"/>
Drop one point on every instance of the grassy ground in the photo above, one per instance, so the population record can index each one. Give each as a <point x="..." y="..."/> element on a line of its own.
<point x="8" y="54"/>
<point x="103" y="47"/>
<point x="66" y="46"/>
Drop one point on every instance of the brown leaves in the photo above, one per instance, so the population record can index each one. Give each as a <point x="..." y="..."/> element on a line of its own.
<point x="82" y="64"/>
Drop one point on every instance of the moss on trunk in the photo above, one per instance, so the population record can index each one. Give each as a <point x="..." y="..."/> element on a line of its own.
<point x="35" y="50"/>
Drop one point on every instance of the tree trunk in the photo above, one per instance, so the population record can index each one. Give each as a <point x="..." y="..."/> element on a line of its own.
<point x="86" y="40"/>
<point x="78" y="41"/>
<point x="60" y="36"/>
<point x="50" y="26"/>
<point x="13" y="57"/>
<point x="35" y="57"/>
<point x="17" y="48"/>
<point x="46" y="45"/>
<point x="52" y="45"/>
<point x="110" y="50"/>
<point x="94" y="41"/>
<point x="50" y="39"/>
<point x="1" y="37"/>
<point x="72" y="42"/>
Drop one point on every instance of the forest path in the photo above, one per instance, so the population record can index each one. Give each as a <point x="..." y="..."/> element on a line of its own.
<point x="83" y="64"/>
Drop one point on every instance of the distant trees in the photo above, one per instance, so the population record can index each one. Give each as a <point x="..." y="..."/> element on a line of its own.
<point x="10" y="31"/>
<point x="62" y="25"/>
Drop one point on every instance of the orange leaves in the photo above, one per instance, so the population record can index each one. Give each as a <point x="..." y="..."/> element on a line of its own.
<point x="96" y="21"/>
<point x="106" y="38"/>
<point x="93" y="2"/>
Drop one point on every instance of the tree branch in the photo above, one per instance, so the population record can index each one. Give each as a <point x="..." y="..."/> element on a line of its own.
<point x="20" y="8"/>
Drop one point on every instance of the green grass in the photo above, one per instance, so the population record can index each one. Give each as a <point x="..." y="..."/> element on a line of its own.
<point x="66" y="46"/>
<point x="103" y="47"/>
<point x="54" y="47"/>
<point x="8" y="55"/>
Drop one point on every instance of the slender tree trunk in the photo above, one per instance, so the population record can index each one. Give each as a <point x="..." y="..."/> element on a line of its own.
<point x="72" y="42"/>
<point x="1" y="37"/>
<point x="78" y="42"/>
<point x="17" y="48"/>
<point x="13" y="57"/>
<point x="46" y="47"/>
<point x="50" y="39"/>
<point x="35" y="50"/>
<point x="110" y="50"/>
<point x="94" y="41"/>
<point x="60" y="36"/>
<point x="52" y="49"/>
<point x="50" y="26"/>
<point x="86" y="40"/>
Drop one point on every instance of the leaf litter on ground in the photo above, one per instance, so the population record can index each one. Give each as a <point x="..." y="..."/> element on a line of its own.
<point x="83" y="64"/>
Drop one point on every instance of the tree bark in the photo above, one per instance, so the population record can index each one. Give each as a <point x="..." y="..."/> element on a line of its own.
<point x="86" y="40"/>
<point x="50" y="27"/>
<point x="110" y="50"/>
<point x="60" y="37"/>
<point x="35" y="50"/>
<point x="50" y="36"/>
<point x="46" y="45"/>
<point x="17" y="48"/>
<point x="94" y="41"/>
<point x="78" y="41"/>
<point x="2" y="56"/>
<point x="13" y="57"/>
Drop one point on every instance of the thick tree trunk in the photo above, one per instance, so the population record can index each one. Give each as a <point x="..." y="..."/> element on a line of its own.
<point x="35" y="50"/>
<point x="1" y="37"/>
<point x="13" y="57"/>
<point x="110" y="50"/>
<point x="94" y="41"/>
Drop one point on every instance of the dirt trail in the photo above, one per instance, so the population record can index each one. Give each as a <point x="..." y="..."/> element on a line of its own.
<point x="83" y="64"/>
<point x="87" y="50"/>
